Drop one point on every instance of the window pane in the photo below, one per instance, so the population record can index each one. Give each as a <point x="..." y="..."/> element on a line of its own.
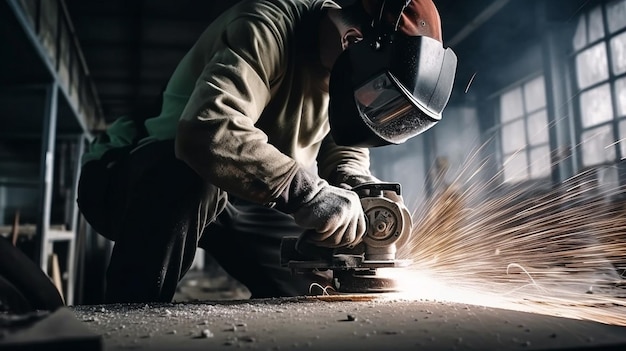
<point x="616" y="15"/>
<point x="511" y="105"/>
<point x="591" y="66"/>
<point x="618" y="53"/>
<point x="580" y="38"/>
<point x="516" y="167"/>
<point x="513" y="136"/>
<point x="595" y="106"/>
<point x="597" y="146"/>
<point x="596" y="24"/>
<point x="540" y="162"/>
<point x="608" y="179"/>
<point x="622" y="138"/>
<point x="538" y="128"/>
<point x="535" y="94"/>
<point x="620" y="93"/>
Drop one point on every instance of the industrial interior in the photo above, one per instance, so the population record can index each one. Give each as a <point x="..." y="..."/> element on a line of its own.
<point x="518" y="231"/>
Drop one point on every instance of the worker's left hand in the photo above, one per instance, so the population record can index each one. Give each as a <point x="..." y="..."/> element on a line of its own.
<point x="334" y="214"/>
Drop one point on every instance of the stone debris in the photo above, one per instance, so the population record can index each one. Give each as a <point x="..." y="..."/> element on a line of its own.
<point x="206" y="333"/>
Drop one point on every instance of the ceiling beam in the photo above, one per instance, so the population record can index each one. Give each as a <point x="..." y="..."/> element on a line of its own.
<point x="482" y="17"/>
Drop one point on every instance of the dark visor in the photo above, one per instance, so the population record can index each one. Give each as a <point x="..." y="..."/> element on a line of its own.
<point x="387" y="111"/>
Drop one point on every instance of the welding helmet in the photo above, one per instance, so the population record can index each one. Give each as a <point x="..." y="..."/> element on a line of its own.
<point x="395" y="83"/>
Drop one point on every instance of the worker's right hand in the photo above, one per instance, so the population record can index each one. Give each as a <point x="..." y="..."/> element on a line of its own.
<point x="335" y="215"/>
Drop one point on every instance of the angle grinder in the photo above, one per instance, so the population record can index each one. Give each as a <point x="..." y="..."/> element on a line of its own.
<point x="388" y="227"/>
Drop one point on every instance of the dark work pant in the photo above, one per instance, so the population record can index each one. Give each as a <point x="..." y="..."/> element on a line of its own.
<point x="158" y="230"/>
<point x="169" y="211"/>
<point x="245" y="240"/>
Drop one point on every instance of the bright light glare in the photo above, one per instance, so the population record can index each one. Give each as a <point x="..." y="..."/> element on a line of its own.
<point x="414" y="285"/>
<point x="549" y="299"/>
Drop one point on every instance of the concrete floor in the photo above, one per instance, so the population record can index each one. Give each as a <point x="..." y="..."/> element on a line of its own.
<point x="213" y="284"/>
<point x="339" y="323"/>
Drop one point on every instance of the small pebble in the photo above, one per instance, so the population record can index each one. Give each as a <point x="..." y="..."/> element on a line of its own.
<point x="207" y="334"/>
<point x="247" y="338"/>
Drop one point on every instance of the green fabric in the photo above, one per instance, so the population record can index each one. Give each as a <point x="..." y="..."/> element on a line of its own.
<point x="163" y="126"/>
<point x="120" y="133"/>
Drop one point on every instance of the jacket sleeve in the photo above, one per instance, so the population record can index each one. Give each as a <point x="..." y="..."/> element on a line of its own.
<point x="344" y="165"/>
<point x="216" y="134"/>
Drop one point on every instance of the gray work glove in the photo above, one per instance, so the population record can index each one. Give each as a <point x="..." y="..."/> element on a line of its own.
<point x="333" y="214"/>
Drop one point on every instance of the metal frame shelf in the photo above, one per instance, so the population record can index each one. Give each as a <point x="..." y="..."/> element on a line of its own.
<point x="46" y="96"/>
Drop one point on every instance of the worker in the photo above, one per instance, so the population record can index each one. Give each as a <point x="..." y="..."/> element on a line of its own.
<point x="260" y="136"/>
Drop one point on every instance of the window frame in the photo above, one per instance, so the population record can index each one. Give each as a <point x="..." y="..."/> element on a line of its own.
<point x="528" y="146"/>
<point x="614" y="121"/>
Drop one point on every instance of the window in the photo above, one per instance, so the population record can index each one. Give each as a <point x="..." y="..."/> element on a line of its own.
<point x="524" y="132"/>
<point x="600" y="61"/>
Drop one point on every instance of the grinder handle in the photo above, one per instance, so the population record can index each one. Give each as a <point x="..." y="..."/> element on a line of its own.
<point x="294" y="248"/>
<point x="310" y="250"/>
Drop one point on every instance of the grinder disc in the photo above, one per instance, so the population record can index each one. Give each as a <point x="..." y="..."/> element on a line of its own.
<point x="362" y="281"/>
